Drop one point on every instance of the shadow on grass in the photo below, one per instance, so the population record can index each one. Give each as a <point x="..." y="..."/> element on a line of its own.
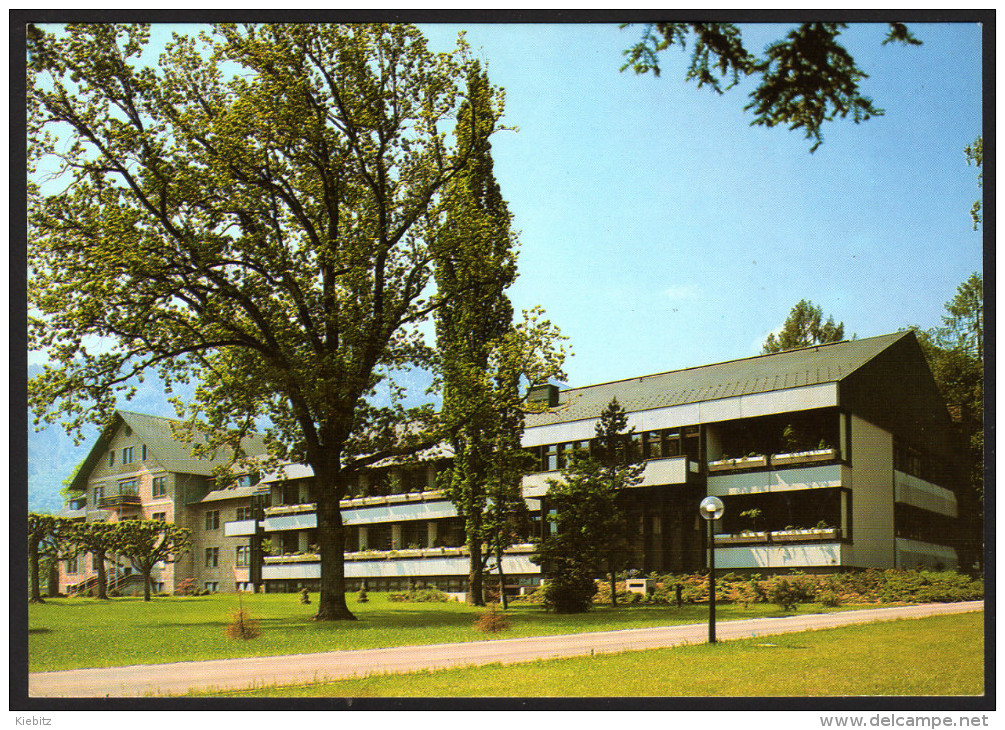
<point x="39" y="631"/>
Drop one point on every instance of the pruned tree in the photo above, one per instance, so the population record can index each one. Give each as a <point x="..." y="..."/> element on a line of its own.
<point x="804" y="327"/>
<point x="97" y="539"/>
<point x="803" y="80"/>
<point x="148" y="542"/>
<point x="261" y="212"/>
<point x="589" y="522"/>
<point x="40" y="528"/>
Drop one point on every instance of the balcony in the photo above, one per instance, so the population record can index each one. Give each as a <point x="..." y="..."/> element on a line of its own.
<point x="816" y="534"/>
<point x="238" y="528"/>
<point x="759" y="461"/>
<point x="804" y="457"/>
<point x="120" y="499"/>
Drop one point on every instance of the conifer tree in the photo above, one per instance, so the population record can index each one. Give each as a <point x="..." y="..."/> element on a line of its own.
<point x="804" y="327"/>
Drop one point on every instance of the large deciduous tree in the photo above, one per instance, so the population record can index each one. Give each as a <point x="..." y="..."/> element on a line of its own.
<point x="803" y="80"/>
<point x="804" y="327"/>
<point x="262" y="211"/>
<point x="148" y="542"/>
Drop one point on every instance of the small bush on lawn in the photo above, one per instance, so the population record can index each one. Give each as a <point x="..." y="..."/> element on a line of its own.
<point x="569" y="593"/>
<point x="185" y="587"/>
<point x="361" y="597"/>
<point x="829" y="598"/>
<point x="305" y="597"/>
<point x="242" y="626"/>
<point x="492" y="621"/>
<point x="420" y="595"/>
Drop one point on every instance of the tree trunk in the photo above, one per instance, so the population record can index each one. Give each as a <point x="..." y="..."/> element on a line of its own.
<point x="99" y="565"/>
<point x="146" y="585"/>
<point x="36" y="592"/>
<point x="331" y="547"/>
<point x="502" y="579"/>
<point x="614" y="580"/>
<point x="475" y="595"/>
<point x="53" y="578"/>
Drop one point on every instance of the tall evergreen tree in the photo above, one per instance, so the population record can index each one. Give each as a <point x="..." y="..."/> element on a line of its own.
<point x="483" y="356"/>
<point x="589" y="523"/>
<point x="804" y="327"/>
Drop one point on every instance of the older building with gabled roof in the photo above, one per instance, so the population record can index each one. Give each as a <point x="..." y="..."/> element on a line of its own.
<point x="138" y="469"/>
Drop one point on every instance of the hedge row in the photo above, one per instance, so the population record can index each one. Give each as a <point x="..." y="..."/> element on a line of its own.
<point x="869" y="586"/>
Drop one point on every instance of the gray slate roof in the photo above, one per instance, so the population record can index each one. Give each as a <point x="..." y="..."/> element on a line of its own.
<point x="762" y="374"/>
<point x="176" y="456"/>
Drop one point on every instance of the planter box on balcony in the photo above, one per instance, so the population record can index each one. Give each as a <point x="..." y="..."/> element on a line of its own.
<point x="283" y="559"/>
<point x="289" y="509"/>
<point x="742" y="539"/>
<point x="804" y="457"/>
<point x="816" y="534"/>
<point x="744" y="462"/>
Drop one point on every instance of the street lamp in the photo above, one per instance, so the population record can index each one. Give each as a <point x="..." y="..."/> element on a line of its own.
<point x="711" y="509"/>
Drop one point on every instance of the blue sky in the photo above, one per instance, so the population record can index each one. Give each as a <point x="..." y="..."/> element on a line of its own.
<point x="660" y="230"/>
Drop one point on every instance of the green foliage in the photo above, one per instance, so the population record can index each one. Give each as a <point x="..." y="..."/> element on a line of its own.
<point x="261" y="211"/>
<point x="148" y="542"/>
<point x="362" y="597"/>
<point x="589" y="523"/>
<point x="803" y="80"/>
<point x="804" y="327"/>
<point x="789" y="592"/>
<point x="569" y="591"/>
<point x="305" y="596"/>
<point x="419" y="595"/>
<point x="975" y="156"/>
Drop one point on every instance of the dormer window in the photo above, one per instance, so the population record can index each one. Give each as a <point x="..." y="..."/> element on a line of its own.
<point x="127" y="455"/>
<point x="111" y="458"/>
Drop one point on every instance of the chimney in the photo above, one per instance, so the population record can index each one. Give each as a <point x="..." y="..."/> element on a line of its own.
<point x="543" y="394"/>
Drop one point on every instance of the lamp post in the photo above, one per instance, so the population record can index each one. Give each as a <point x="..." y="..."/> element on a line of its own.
<point x="711" y="509"/>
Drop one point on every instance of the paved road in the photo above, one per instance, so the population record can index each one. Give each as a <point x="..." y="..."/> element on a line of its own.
<point x="222" y="674"/>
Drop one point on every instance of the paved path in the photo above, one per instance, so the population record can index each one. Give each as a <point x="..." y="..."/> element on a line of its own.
<point x="222" y="674"/>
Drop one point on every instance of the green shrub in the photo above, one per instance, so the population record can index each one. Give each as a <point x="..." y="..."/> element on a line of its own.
<point x="829" y="598"/>
<point x="420" y="595"/>
<point x="361" y="597"/>
<point x="788" y="592"/>
<point x="569" y="593"/>
<point x="242" y="626"/>
<point x="305" y="597"/>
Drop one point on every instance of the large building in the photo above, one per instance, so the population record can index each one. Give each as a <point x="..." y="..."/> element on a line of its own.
<point x="839" y="456"/>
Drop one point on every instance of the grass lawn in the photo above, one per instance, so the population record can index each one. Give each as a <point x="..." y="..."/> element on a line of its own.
<point x="940" y="655"/>
<point x="70" y="633"/>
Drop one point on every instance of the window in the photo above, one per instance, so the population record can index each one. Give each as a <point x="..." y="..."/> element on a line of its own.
<point x="212" y="557"/>
<point x="159" y="516"/>
<point x="244" y="513"/>
<point x="213" y="519"/>
<point x="99" y="494"/>
<point x="144" y="452"/>
<point x="211" y="585"/>
<point x="654" y="445"/>
<point x="158" y="587"/>
<point x="551" y="457"/>
<point x="242" y="556"/>
<point x="127" y="455"/>
<point x="71" y="565"/>
<point x="111" y="458"/>
<point x="160" y="486"/>
<point x="127" y="487"/>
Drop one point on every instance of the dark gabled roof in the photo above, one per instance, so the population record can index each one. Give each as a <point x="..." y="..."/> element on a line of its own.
<point x="157" y="433"/>
<point x="762" y="374"/>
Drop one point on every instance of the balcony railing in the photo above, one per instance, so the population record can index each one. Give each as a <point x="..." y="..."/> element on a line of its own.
<point x="763" y="461"/>
<point x="120" y="499"/>
<point x="816" y="534"/>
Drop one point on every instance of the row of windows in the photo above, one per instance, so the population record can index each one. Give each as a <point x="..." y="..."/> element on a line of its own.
<point x="661" y="444"/>
<point x="127" y="455"/>
<point x="130" y="488"/>
<point x="242" y="556"/>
